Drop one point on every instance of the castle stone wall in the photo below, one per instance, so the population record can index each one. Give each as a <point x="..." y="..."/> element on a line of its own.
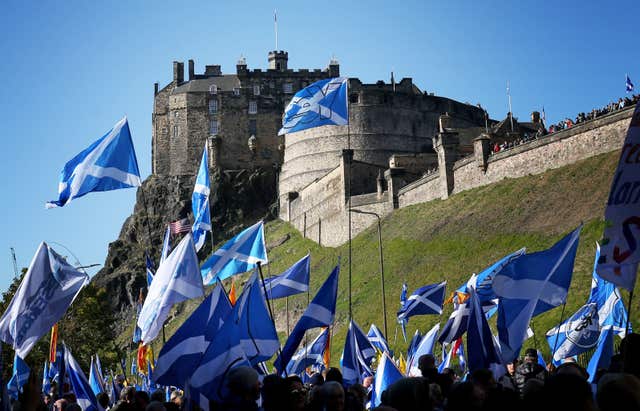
<point x="427" y="188"/>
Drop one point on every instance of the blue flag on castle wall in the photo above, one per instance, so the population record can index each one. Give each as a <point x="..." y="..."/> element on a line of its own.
<point x="108" y="164"/>
<point x="200" y="203"/>
<point x="322" y="103"/>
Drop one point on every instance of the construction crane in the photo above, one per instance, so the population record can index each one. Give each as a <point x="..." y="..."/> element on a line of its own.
<point x="15" y="262"/>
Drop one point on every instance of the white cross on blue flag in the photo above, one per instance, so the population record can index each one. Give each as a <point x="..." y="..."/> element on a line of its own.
<point x="294" y="280"/>
<point x="200" y="203"/>
<point x="85" y="397"/>
<point x="108" y="164"/>
<point x="424" y="300"/>
<point x="322" y="103"/>
<point x="356" y="356"/>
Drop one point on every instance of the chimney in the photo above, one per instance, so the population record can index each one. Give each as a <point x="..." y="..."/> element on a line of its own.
<point x="535" y="117"/>
<point x="214" y="70"/>
<point x="155" y="89"/>
<point x="178" y="72"/>
<point x="191" y="70"/>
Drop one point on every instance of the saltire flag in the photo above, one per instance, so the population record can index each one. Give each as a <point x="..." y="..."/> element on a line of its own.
<point x="294" y="280"/>
<point x="150" y="270"/>
<point x="403" y="301"/>
<point x="95" y="378"/>
<point x="19" y="377"/>
<point x="386" y="374"/>
<point x="180" y="226"/>
<point x="578" y="334"/>
<point x="531" y="285"/>
<point x="46" y="291"/>
<point x="240" y="254"/>
<point x="320" y="313"/>
<point x="46" y="379"/>
<point x="356" y="356"/>
<point x="376" y="338"/>
<point x="425" y="346"/>
<point x="247" y="337"/>
<point x="481" y="348"/>
<point x="601" y="357"/>
<point x="619" y="253"/>
<point x="322" y="103"/>
<point x="456" y="325"/>
<point x="137" y="332"/>
<point x="115" y="391"/>
<point x="81" y="387"/>
<point x="628" y="84"/>
<point x="166" y="245"/>
<point x="424" y="300"/>
<point x="611" y="310"/>
<point x="177" y="279"/>
<point x="181" y="354"/>
<point x="458" y="349"/>
<point x="53" y="343"/>
<point x="415" y="341"/>
<point x="200" y="203"/>
<point x="108" y="164"/>
<point x="446" y="361"/>
<point x="311" y="355"/>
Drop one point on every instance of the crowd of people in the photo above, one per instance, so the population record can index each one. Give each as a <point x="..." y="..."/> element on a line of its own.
<point x="526" y="385"/>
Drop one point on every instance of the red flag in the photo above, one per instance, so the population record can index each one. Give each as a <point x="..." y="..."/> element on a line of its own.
<point x="142" y="358"/>
<point x="53" y="344"/>
<point x="232" y="293"/>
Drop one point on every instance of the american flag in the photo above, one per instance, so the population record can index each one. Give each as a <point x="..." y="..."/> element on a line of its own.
<point x="180" y="226"/>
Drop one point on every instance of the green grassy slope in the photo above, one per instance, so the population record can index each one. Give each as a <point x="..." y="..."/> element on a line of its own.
<point x="450" y="240"/>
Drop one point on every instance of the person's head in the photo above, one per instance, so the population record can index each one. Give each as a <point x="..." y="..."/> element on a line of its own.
<point x="408" y="394"/>
<point x="103" y="399"/>
<point x="511" y="366"/>
<point x="333" y="374"/>
<point x="46" y="398"/>
<point x="158" y="395"/>
<point x="356" y="397"/>
<point x="141" y="399"/>
<point x="128" y="394"/>
<point x="531" y="355"/>
<point x="332" y="395"/>
<point x="316" y="380"/>
<point x="618" y="391"/>
<point x="426" y="364"/>
<point x="484" y="380"/>
<point x="569" y="392"/>
<point x="273" y="392"/>
<point x="176" y="398"/>
<point x="243" y="382"/>
<point x="296" y="393"/>
<point x="60" y="405"/>
<point x="74" y="406"/>
<point x="572" y="368"/>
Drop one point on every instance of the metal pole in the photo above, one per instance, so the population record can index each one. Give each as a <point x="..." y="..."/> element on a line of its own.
<point x="555" y="344"/>
<point x="510" y="110"/>
<point x="287" y="309"/>
<point x="319" y="231"/>
<point x="264" y="288"/>
<point x="304" y="226"/>
<point x="349" y="213"/>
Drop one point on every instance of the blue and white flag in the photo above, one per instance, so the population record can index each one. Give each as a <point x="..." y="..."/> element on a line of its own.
<point x="200" y="203"/>
<point x="628" y="84"/>
<point x="181" y="354"/>
<point x="247" y="337"/>
<point x="376" y="338"/>
<point x="294" y="280"/>
<point x="356" y="356"/>
<point x="619" y="253"/>
<point x="46" y="379"/>
<point x="177" y="279"/>
<point x="424" y="300"/>
<point x="578" y="334"/>
<point x="413" y="344"/>
<point x="95" y="378"/>
<point x="85" y="397"/>
<point x="311" y="355"/>
<point x="611" y="310"/>
<point x="601" y="357"/>
<point x="19" y="377"/>
<point x="456" y="325"/>
<point x="531" y="285"/>
<point x="425" y="346"/>
<point x="386" y="374"/>
<point x="166" y="245"/>
<point x="446" y="360"/>
<point x="150" y="270"/>
<point x="322" y="103"/>
<point x="46" y="291"/>
<point x="403" y="301"/>
<point x="481" y="348"/>
<point x="320" y="313"/>
<point x="240" y="254"/>
<point x="108" y="164"/>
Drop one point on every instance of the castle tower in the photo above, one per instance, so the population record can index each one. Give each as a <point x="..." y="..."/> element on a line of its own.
<point x="278" y="60"/>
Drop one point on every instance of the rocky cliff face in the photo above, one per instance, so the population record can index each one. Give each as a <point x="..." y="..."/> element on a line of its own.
<point x="238" y="198"/>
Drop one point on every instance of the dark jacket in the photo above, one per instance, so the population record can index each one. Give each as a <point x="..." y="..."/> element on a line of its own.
<point x="526" y="371"/>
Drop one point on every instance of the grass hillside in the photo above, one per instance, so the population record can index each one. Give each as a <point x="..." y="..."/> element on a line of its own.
<point x="427" y="243"/>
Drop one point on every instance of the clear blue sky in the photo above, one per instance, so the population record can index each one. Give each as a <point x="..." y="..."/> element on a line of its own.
<point x="71" y="69"/>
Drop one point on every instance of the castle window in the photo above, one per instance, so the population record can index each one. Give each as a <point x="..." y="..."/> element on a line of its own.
<point x="353" y="98"/>
<point x="175" y="132"/>
<point x="287" y="88"/>
<point x="236" y="91"/>
<point x="213" y="127"/>
<point x="213" y="89"/>
<point x="253" y="107"/>
<point x="213" y="106"/>
<point x="253" y="128"/>
<point x="256" y="90"/>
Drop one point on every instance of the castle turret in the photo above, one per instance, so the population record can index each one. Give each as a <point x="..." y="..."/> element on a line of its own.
<point x="278" y="60"/>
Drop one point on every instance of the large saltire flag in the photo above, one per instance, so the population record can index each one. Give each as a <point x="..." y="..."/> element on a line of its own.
<point x="322" y="103"/>
<point x="320" y="313"/>
<point x="177" y="279"/>
<point x="46" y="291"/>
<point x="531" y="285"/>
<point x="424" y="300"/>
<point x="85" y="397"/>
<point x="357" y="355"/>
<point x="482" y="350"/>
<point x="619" y="253"/>
<point x="294" y="280"/>
<point x="377" y="339"/>
<point x="311" y="355"/>
<point x="108" y="164"/>
<point x="386" y="374"/>
<point x="240" y="254"/>
<point x="200" y="203"/>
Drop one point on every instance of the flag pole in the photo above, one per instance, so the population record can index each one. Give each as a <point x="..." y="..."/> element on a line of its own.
<point x="555" y="344"/>
<point x="626" y="328"/>
<point x="349" y="157"/>
<point x="510" y="110"/>
<point x="264" y="287"/>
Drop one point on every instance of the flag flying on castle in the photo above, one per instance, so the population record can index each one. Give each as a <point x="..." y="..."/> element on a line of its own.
<point x="322" y="103"/>
<point x="200" y="203"/>
<point x="108" y="164"/>
<point x="619" y="251"/>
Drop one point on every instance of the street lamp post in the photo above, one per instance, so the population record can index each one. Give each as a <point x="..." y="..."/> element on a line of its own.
<point x="384" y="300"/>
